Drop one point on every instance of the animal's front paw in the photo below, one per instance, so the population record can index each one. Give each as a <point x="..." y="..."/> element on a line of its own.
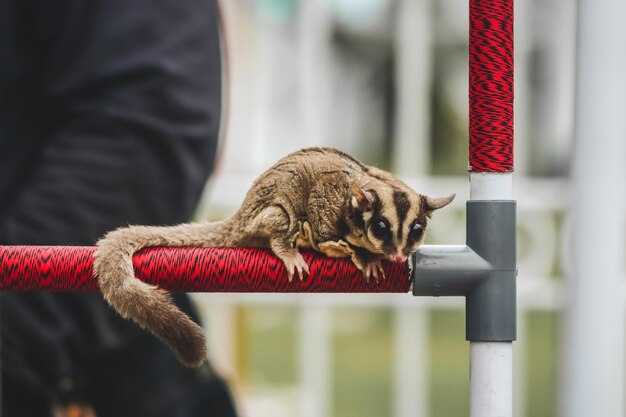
<point x="373" y="268"/>
<point x="295" y="262"/>
<point x="368" y="263"/>
<point x="370" y="267"/>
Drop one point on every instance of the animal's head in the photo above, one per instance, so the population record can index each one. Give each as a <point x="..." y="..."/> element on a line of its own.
<point x="393" y="220"/>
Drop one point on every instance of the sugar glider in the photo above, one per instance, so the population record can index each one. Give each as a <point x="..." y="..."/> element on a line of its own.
<point x="317" y="198"/>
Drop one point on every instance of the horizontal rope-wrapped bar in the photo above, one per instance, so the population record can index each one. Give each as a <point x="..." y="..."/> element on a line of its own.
<point x="69" y="268"/>
<point x="491" y="86"/>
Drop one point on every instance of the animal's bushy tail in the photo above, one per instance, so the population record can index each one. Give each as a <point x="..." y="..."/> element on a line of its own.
<point x="151" y="307"/>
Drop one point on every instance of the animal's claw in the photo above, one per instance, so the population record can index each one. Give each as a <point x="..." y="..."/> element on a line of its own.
<point x="373" y="268"/>
<point x="295" y="262"/>
<point x="366" y="273"/>
<point x="382" y="271"/>
<point x="374" y="272"/>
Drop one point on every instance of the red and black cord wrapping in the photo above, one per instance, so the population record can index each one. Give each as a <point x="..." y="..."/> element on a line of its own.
<point x="69" y="268"/>
<point x="491" y="86"/>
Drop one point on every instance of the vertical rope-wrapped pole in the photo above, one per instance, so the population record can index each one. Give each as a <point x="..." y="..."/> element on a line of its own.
<point x="491" y="99"/>
<point x="491" y="86"/>
<point x="491" y="167"/>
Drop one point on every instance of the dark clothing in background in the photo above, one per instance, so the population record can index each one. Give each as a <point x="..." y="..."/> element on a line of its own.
<point x="109" y="115"/>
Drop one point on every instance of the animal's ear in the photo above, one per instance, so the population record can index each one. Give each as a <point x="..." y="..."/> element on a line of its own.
<point x="432" y="204"/>
<point x="362" y="199"/>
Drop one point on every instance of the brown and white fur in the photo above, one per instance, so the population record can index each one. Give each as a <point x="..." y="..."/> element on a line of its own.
<point x="318" y="198"/>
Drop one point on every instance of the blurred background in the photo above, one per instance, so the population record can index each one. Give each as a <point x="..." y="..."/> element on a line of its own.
<point x="387" y="81"/>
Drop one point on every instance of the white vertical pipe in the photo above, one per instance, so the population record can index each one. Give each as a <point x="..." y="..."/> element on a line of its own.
<point x="491" y="186"/>
<point x="410" y="157"/>
<point x="314" y="75"/>
<point x="491" y="363"/>
<point x="220" y="327"/>
<point x="593" y="349"/>
<point x="315" y="361"/>
<point x="314" y="72"/>
<point x="491" y="379"/>
<point x="563" y="51"/>
<point x="273" y="51"/>
<point x="413" y="50"/>
<point x="410" y="362"/>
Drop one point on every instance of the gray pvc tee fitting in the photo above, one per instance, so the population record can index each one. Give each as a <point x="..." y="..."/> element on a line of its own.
<point x="484" y="271"/>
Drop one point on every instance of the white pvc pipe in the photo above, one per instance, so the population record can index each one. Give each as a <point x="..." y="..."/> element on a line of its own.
<point x="413" y="44"/>
<point x="491" y="363"/>
<point x="593" y="380"/>
<point x="410" y="157"/>
<point x="314" y="353"/>
<point x="491" y="379"/>
<point x="411" y="362"/>
<point x="491" y="186"/>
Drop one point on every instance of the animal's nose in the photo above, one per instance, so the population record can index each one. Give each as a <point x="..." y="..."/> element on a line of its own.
<point x="398" y="258"/>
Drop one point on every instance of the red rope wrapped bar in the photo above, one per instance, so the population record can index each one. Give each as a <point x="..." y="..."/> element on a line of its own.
<point x="69" y="268"/>
<point x="491" y="86"/>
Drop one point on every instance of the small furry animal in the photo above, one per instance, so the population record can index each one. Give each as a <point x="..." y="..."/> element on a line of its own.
<point x="318" y="198"/>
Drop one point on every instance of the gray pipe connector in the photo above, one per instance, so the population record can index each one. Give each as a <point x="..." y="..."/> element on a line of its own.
<point x="483" y="271"/>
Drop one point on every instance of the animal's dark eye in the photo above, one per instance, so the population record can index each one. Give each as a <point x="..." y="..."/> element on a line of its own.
<point x="417" y="231"/>
<point x="380" y="228"/>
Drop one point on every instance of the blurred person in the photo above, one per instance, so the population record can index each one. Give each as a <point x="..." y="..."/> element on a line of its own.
<point x="109" y="116"/>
